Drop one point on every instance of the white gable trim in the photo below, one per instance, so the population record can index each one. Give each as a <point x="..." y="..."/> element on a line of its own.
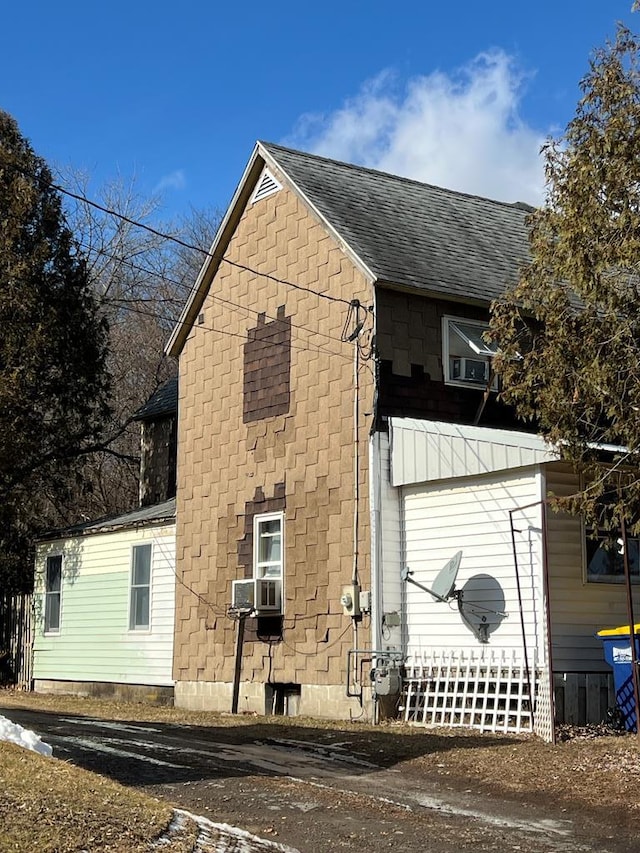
<point x="422" y="451"/>
<point x="209" y="267"/>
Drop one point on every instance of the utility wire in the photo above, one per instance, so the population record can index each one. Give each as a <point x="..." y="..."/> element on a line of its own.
<point x="127" y="305"/>
<point x="187" y="287"/>
<point x="173" y="238"/>
<point x="319" y="643"/>
<point x="265" y="342"/>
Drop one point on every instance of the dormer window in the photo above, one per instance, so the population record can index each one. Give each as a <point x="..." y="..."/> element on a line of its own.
<point x="466" y="356"/>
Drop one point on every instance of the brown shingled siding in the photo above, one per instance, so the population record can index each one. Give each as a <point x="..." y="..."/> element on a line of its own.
<point x="267" y="368"/>
<point x="409" y="341"/>
<point x="223" y="459"/>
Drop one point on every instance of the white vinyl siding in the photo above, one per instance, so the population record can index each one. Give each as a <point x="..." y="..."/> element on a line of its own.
<point x="471" y="514"/>
<point x="95" y="643"/>
<point x="422" y="451"/>
<point x="579" y="609"/>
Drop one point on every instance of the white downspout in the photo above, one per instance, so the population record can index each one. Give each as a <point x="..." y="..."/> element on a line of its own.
<point x="375" y="502"/>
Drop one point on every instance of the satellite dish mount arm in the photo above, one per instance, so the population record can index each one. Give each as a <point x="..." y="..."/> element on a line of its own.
<point x="406" y="576"/>
<point x="443" y="588"/>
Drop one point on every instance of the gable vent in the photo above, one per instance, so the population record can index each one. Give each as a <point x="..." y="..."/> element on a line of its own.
<point x="266" y="186"/>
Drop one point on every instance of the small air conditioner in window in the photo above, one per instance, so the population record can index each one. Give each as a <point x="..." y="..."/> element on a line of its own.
<point x="470" y="370"/>
<point x="243" y="595"/>
<point x="259" y="595"/>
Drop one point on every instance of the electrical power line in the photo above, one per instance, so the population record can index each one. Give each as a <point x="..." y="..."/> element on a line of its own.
<point x="187" y="287"/>
<point x="127" y="304"/>
<point x="173" y="238"/>
<point x="265" y="342"/>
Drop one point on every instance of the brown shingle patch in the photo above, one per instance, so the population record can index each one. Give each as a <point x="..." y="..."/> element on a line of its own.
<point x="267" y="368"/>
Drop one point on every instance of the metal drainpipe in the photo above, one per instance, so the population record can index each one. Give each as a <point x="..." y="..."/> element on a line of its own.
<point x="356" y="484"/>
<point x="356" y="460"/>
<point x="522" y="620"/>
<point x="375" y="490"/>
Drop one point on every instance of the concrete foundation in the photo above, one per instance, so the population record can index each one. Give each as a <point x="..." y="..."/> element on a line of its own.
<point x="320" y="701"/>
<point x="144" y="693"/>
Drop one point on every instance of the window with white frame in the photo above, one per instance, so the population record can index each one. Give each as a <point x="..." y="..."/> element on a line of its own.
<point x="267" y="545"/>
<point x="52" y="594"/>
<point x="268" y="563"/>
<point x="140" y="595"/>
<point x="466" y="356"/>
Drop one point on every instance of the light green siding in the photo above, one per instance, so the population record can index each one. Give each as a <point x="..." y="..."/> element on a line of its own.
<point x="94" y="642"/>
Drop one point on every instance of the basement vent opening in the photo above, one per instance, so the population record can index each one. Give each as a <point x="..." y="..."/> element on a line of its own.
<point x="282" y="699"/>
<point x="266" y="186"/>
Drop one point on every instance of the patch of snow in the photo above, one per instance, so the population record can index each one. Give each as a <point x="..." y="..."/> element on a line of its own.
<point x="14" y="733"/>
<point x="101" y="746"/>
<point x="107" y="724"/>
<point x="178" y="821"/>
<point x="222" y="838"/>
<point x="545" y="826"/>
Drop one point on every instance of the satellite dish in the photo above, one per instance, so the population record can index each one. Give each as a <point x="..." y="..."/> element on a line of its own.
<point x="444" y="584"/>
<point x="481" y="602"/>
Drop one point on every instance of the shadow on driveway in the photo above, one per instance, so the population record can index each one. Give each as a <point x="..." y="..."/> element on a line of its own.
<point x="159" y="753"/>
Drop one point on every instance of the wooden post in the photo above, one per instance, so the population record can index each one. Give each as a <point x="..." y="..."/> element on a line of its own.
<point x="238" y="667"/>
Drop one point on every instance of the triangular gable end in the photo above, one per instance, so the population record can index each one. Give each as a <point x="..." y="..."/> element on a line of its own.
<point x="258" y="180"/>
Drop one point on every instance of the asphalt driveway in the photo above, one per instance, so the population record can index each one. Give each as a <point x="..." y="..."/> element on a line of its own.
<point x="317" y="796"/>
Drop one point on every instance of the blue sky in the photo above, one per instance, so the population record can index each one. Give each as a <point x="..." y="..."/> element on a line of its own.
<point x="458" y="94"/>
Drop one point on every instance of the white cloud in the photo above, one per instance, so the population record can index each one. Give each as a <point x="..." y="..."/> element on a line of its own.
<point x="461" y="130"/>
<point x="173" y="181"/>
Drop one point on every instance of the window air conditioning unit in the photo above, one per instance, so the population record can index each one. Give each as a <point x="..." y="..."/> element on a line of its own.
<point x="262" y="596"/>
<point x="470" y="370"/>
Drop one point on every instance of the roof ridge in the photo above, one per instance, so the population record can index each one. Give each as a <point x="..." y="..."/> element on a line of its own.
<point x="512" y="205"/>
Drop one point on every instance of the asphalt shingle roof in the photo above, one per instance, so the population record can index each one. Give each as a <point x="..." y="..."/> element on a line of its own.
<point x="164" y="401"/>
<point x="165" y="511"/>
<point x="414" y="234"/>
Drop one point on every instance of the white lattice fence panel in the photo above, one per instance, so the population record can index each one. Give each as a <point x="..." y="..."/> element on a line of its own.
<point x="487" y="691"/>
<point x="544" y="722"/>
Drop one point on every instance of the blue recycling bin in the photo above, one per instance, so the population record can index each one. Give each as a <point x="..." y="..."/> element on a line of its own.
<point x="617" y="653"/>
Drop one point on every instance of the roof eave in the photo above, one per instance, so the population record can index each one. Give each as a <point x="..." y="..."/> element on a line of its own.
<point x="433" y="293"/>
<point x="70" y="533"/>
<point x="210" y="266"/>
